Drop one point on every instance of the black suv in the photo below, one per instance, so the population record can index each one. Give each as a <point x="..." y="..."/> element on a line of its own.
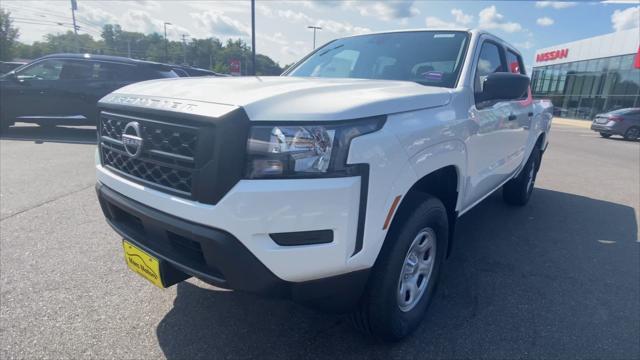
<point x="63" y="89"/>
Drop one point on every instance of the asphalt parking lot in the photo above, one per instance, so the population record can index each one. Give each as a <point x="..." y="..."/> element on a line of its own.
<point x="559" y="278"/>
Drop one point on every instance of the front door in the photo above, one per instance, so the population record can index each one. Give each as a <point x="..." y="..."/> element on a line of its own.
<point x="496" y="148"/>
<point x="27" y="95"/>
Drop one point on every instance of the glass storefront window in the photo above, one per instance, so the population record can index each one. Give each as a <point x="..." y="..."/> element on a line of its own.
<point x="581" y="66"/>
<point x="584" y="89"/>
<point x="614" y="63"/>
<point x="626" y="62"/>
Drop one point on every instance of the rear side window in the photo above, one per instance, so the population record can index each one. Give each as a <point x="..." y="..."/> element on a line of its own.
<point x="489" y="62"/>
<point x="76" y="70"/>
<point x="108" y="71"/>
<point x="514" y="62"/>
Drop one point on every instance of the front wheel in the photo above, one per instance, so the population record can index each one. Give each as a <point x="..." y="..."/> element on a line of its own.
<point x="517" y="191"/>
<point x="632" y="133"/>
<point x="404" y="278"/>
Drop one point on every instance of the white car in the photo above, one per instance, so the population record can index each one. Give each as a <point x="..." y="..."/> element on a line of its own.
<point x="337" y="184"/>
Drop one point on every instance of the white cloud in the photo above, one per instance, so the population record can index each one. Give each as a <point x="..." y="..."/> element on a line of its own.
<point x="556" y="4"/>
<point x="387" y="10"/>
<point x="97" y="17"/>
<point x="545" y="21"/>
<point x="626" y="19"/>
<point x="150" y="4"/>
<point x="437" y="23"/>
<point x="342" y="28"/>
<point x="525" y="44"/>
<point x="620" y="2"/>
<point x="295" y="16"/>
<point x="265" y="10"/>
<point x="461" y="17"/>
<point x="219" y="25"/>
<point x="277" y="38"/>
<point x="460" y="20"/>
<point x="490" y="18"/>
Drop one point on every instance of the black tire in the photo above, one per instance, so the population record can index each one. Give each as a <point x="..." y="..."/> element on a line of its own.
<point x="379" y="313"/>
<point x="632" y="133"/>
<point x="605" y="135"/>
<point x="517" y="191"/>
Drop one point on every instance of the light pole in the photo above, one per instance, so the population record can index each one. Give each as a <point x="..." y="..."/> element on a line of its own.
<point x="166" y="43"/>
<point x="314" y="34"/>
<point x="184" y="49"/>
<point x="253" y="37"/>
<point x="74" y="7"/>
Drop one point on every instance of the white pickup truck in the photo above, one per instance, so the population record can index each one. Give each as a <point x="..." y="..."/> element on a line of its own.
<point x="337" y="184"/>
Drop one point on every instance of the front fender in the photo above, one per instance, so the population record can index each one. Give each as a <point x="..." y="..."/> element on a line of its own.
<point x="435" y="157"/>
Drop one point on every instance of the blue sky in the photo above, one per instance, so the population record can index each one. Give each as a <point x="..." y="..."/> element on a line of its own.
<point x="281" y="25"/>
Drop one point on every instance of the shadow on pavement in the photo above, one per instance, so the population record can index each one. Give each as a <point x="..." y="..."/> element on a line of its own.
<point x="557" y="278"/>
<point x="59" y="134"/>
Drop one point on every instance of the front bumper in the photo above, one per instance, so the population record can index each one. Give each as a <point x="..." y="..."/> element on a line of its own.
<point x="604" y="128"/>
<point x="217" y="257"/>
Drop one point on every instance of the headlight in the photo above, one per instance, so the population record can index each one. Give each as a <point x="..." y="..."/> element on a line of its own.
<point x="303" y="150"/>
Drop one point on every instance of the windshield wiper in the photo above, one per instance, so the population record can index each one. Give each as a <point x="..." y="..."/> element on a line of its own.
<point x="333" y="48"/>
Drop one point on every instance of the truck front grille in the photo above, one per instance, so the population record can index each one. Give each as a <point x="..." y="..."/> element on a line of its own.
<point x="191" y="156"/>
<point x="168" y="156"/>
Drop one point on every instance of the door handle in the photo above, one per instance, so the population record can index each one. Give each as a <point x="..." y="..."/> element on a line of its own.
<point x="511" y="117"/>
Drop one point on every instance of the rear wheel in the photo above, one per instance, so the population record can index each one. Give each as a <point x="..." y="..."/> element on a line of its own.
<point x="632" y="133"/>
<point x="404" y="278"/>
<point x="605" y="135"/>
<point x="517" y="191"/>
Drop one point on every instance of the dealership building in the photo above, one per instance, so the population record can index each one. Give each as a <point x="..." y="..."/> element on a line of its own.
<point x="590" y="76"/>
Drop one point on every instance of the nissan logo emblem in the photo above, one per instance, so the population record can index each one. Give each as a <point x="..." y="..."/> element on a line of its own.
<point x="132" y="139"/>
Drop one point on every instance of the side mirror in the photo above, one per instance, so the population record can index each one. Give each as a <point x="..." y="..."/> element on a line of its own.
<point x="504" y="86"/>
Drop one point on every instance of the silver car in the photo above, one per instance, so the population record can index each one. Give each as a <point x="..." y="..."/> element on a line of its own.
<point x="624" y="122"/>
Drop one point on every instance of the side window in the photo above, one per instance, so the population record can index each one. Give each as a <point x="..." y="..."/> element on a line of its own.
<point x="514" y="62"/>
<point x="106" y="71"/>
<point x="76" y="70"/>
<point x="43" y="70"/>
<point x="489" y="62"/>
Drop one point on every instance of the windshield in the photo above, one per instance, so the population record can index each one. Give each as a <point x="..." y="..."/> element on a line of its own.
<point x="426" y="57"/>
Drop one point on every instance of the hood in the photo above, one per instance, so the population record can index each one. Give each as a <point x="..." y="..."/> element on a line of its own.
<point x="293" y="98"/>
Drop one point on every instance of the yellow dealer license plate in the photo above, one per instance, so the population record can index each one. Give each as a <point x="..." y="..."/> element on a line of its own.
<point x="142" y="263"/>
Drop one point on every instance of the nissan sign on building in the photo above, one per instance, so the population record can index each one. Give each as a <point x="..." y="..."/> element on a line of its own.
<point x="587" y="77"/>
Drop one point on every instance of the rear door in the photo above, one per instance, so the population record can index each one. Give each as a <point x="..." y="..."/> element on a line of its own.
<point x="522" y="110"/>
<point x="106" y="77"/>
<point x="69" y="93"/>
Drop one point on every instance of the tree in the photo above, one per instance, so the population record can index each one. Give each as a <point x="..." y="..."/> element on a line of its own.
<point x="209" y="53"/>
<point x="8" y="36"/>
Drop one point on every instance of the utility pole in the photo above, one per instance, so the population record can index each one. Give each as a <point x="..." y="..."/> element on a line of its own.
<point x="314" y="34"/>
<point x="184" y="49"/>
<point x="129" y="48"/>
<point x="166" y="43"/>
<point x="74" y="7"/>
<point x="253" y="37"/>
